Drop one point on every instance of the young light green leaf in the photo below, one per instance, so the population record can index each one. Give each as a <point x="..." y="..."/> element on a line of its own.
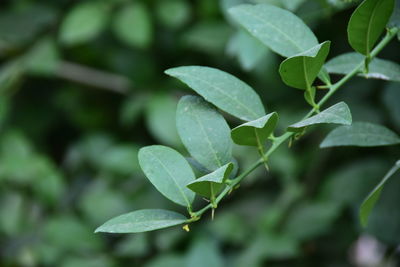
<point x="323" y="75"/>
<point x="361" y="134"/>
<point x="370" y="201"/>
<point x="132" y="25"/>
<point x="301" y="70"/>
<point x="221" y="89"/>
<point x="204" y="132"/>
<point x="168" y="171"/>
<point x="277" y="28"/>
<point x="338" y="113"/>
<point x="212" y="183"/>
<point x="367" y="23"/>
<point x="84" y="22"/>
<point x="255" y="132"/>
<point x="378" y="68"/>
<point x="142" y="221"/>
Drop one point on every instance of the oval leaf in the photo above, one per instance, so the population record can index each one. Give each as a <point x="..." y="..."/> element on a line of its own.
<point x="212" y="183"/>
<point x="378" y="68"/>
<point x="168" y="171"/>
<point x="83" y="23"/>
<point x="255" y="132"/>
<point x="204" y="132"/>
<point x="221" y="89"/>
<point x="370" y="201"/>
<point x="367" y="23"/>
<point x="301" y="70"/>
<point x="339" y="114"/>
<point x="361" y="134"/>
<point x="280" y="30"/>
<point x="142" y="221"/>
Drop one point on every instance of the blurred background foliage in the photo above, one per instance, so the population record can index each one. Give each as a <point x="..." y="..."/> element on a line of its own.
<point x="82" y="89"/>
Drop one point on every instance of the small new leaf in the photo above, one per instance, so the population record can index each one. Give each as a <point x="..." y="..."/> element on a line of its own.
<point x="338" y="113"/>
<point x="212" y="183"/>
<point x="221" y="89"/>
<point x="363" y="134"/>
<point x="280" y="30"/>
<point x="254" y="132"/>
<point x="204" y="132"/>
<point x="367" y="23"/>
<point x="370" y="201"/>
<point x="301" y="70"/>
<point x="169" y="172"/>
<point x="142" y="221"/>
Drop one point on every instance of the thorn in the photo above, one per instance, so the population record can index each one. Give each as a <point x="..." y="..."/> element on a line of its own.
<point x="212" y="214"/>
<point x="186" y="227"/>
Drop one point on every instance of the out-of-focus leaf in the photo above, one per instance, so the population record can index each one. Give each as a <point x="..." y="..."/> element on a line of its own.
<point x="211" y="184"/>
<point x="4" y="108"/>
<point x="11" y="213"/>
<point x="370" y="201"/>
<point x="204" y="132"/>
<point x="142" y="221"/>
<point x="131" y="109"/>
<point x="84" y="22"/>
<point x="94" y="261"/>
<point x="248" y="50"/>
<point x="378" y="68"/>
<point x="279" y="29"/>
<point x="367" y="23"/>
<point x="160" y="119"/>
<point x="255" y="133"/>
<point x="166" y="260"/>
<point x="221" y="89"/>
<point x="391" y="96"/>
<point x="338" y="114"/>
<point x="43" y="58"/>
<point x="204" y="252"/>
<point x="135" y="245"/>
<point x="361" y="134"/>
<point x="121" y="159"/>
<point x="180" y="10"/>
<point x="169" y="172"/>
<point x="395" y="18"/>
<point x="301" y="70"/>
<point x="133" y="25"/>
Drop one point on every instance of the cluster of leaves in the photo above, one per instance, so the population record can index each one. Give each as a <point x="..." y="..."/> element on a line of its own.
<point x="69" y="153"/>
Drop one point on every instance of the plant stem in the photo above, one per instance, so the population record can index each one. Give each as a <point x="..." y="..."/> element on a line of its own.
<point x="277" y="141"/>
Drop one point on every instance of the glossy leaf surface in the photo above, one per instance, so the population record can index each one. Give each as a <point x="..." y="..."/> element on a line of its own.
<point x="221" y="89"/>
<point x="204" y="132"/>
<point x="142" y="221"/>
<point x="168" y="171"/>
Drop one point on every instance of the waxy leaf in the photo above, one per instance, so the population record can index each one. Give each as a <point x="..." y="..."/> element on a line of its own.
<point x="221" y="89"/>
<point x="370" y="201"/>
<point x="212" y="183"/>
<point x="255" y="133"/>
<point x="83" y="23"/>
<point x="280" y="30"/>
<point x="378" y="68"/>
<point x="142" y="221"/>
<point x="301" y="70"/>
<point x="168" y="171"/>
<point x="367" y="23"/>
<point x="204" y="132"/>
<point x="361" y="134"/>
<point x="339" y="114"/>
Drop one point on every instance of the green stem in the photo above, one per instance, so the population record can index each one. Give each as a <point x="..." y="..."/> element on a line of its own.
<point x="277" y="141"/>
<point x="260" y="148"/>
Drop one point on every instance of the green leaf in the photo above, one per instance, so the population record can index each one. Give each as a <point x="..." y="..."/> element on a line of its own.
<point x="180" y="9"/>
<point x="221" y="89"/>
<point x="83" y="23"/>
<point x="367" y="23"/>
<point x="204" y="251"/>
<point x="301" y="70"/>
<point x="370" y="201"/>
<point x="361" y="134"/>
<point x="132" y="25"/>
<point x="323" y="75"/>
<point x="142" y="221"/>
<point x="248" y="50"/>
<point x="204" y="132"/>
<point x="280" y="30"/>
<point x="169" y="172"/>
<point x="255" y="132"/>
<point x="212" y="183"/>
<point x="338" y="113"/>
<point x="378" y="68"/>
